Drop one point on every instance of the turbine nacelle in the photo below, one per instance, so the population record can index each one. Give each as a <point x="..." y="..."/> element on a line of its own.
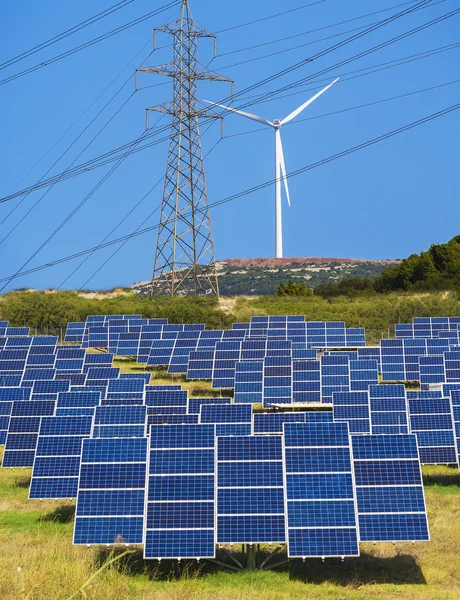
<point x="280" y="167"/>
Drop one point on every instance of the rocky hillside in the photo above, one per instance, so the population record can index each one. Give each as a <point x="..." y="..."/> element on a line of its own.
<point x="261" y="276"/>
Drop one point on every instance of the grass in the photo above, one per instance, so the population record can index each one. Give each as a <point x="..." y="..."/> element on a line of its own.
<point x="37" y="538"/>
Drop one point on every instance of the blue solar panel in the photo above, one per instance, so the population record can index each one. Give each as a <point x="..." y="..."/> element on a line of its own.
<point x="249" y="382"/>
<point x="164" y="399"/>
<point x="335" y="376"/>
<point x="354" y="408"/>
<point x="23" y="428"/>
<point x="50" y="387"/>
<point x="119" y="421"/>
<point x="181" y="492"/>
<point x="58" y="455"/>
<point x="277" y="382"/>
<point x="194" y="404"/>
<point x="200" y="364"/>
<point x="389" y="489"/>
<point x="455" y="396"/>
<point x="250" y="496"/>
<point x="102" y="373"/>
<point x="432" y="421"/>
<point x="363" y="373"/>
<point x="388" y="409"/>
<point x="111" y="491"/>
<point x="321" y="509"/>
<point x="172" y="420"/>
<point x="227" y="354"/>
<point x="271" y="423"/>
<point x="306" y="381"/>
<point x="74" y="378"/>
<point x="229" y="413"/>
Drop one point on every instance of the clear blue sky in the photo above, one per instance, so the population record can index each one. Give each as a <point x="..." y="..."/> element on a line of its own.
<point x="386" y="201"/>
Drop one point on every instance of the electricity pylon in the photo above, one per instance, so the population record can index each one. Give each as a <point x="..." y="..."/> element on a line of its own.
<point x="184" y="258"/>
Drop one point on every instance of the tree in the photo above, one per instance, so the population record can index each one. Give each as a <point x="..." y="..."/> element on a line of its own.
<point x="293" y="289"/>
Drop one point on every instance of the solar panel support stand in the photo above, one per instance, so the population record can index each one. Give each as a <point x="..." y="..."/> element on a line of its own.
<point x="251" y="557"/>
<point x="184" y="259"/>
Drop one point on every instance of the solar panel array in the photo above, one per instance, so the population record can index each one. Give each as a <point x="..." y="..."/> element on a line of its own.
<point x="150" y="465"/>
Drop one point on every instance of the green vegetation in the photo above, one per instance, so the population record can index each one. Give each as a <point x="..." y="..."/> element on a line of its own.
<point x="434" y="270"/>
<point x="244" y="281"/>
<point x="293" y="289"/>
<point x="51" y="311"/>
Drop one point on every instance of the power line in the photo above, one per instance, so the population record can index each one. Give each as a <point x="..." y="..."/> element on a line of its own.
<point x="32" y="188"/>
<point x="266" y="95"/>
<point x="308" y="32"/>
<point x="71" y="214"/>
<point x="362" y="54"/>
<point x="352" y="108"/>
<point x="65" y="34"/>
<point x="89" y="43"/>
<point x="280" y="14"/>
<point x="256" y="188"/>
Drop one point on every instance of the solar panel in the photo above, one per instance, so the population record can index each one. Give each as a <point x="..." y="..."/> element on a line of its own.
<point x="119" y="421"/>
<point x="306" y="381"/>
<point x="230" y="419"/>
<point x="179" y="519"/>
<point x="249" y="377"/>
<point x="432" y="421"/>
<point x="200" y="364"/>
<point x="455" y="399"/>
<point x="363" y="373"/>
<point x="319" y="416"/>
<point x="277" y="381"/>
<point x="271" y="423"/>
<point x="76" y="400"/>
<point x="74" y="332"/>
<point x="452" y="366"/>
<point x="48" y="388"/>
<point x="172" y="420"/>
<point x="24" y="425"/>
<point x="57" y="458"/>
<point x="31" y="374"/>
<point x="74" y="378"/>
<point x="388" y="409"/>
<point x="194" y="404"/>
<point x="389" y="489"/>
<point x="5" y="413"/>
<point x="250" y="496"/>
<point x="354" y="408"/>
<point x="126" y="389"/>
<point x="335" y="376"/>
<point x="227" y="354"/>
<point x="166" y="401"/>
<point x="111" y="491"/>
<point x="160" y="352"/>
<point x="144" y="376"/>
<point x="320" y="495"/>
<point x="102" y="373"/>
<point x="186" y="342"/>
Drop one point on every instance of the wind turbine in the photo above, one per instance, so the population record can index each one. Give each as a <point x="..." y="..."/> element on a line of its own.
<point x="280" y="167"/>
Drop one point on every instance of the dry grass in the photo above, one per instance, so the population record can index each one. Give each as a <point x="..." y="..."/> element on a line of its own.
<point x="37" y="538"/>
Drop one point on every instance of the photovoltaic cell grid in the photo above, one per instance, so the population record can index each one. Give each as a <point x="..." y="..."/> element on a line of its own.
<point x="455" y="396"/>
<point x="431" y="419"/>
<point x="231" y="419"/>
<point x="320" y="493"/>
<point x="335" y="376"/>
<point x="354" y="408"/>
<point x="194" y="404"/>
<point x="22" y="436"/>
<point x="363" y="373"/>
<point x="277" y="380"/>
<point x="58" y="455"/>
<point x="389" y="489"/>
<point x="166" y="401"/>
<point x="111" y="491"/>
<point x="306" y="381"/>
<point x="119" y="421"/>
<point x="250" y="496"/>
<point x="227" y="354"/>
<point x="272" y="423"/>
<point x="179" y="518"/>
<point x="389" y="413"/>
<point x="426" y="327"/>
<point x="401" y="357"/>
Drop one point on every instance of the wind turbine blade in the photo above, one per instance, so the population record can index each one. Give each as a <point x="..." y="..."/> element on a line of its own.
<point x="297" y="111"/>
<point x="283" y="170"/>
<point x="243" y="114"/>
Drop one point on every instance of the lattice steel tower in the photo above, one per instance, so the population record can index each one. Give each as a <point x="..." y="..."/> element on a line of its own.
<point x="184" y="258"/>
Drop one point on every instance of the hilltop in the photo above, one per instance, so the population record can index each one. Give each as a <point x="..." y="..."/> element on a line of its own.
<point x="261" y="276"/>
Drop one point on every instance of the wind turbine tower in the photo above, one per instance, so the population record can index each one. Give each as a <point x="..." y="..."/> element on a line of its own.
<point x="280" y="167"/>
